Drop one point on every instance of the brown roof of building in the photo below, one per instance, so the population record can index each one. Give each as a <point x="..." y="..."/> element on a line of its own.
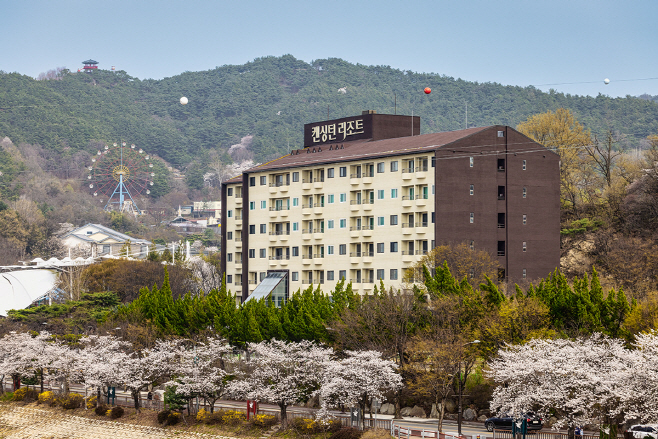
<point x="362" y="149"/>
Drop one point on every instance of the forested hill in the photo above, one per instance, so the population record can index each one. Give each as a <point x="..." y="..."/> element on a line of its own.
<point x="271" y="98"/>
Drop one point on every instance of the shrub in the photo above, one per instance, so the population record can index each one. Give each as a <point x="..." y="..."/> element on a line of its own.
<point x="376" y="433"/>
<point x="47" y="397"/>
<point x="305" y="425"/>
<point x="91" y="402"/>
<point x="19" y="394"/>
<point x="233" y="417"/>
<point x="263" y="421"/>
<point x="72" y="401"/>
<point x="202" y="416"/>
<point x="116" y="412"/>
<point x="9" y="396"/>
<point x="101" y="410"/>
<point x="167" y="417"/>
<point x="347" y="433"/>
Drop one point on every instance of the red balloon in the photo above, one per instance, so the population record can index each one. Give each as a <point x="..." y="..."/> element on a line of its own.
<point x="428" y="90"/>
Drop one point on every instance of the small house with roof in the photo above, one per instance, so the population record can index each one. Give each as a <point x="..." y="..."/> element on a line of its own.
<point x="98" y="240"/>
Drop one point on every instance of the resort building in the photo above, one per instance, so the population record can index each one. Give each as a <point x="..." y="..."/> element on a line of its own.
<point x="367" y="197"/>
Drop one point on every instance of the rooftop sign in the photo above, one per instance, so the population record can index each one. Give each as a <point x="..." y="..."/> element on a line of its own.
<point x="338" y="130"/>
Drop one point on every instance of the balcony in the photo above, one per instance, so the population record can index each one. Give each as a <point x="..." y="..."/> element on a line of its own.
<point x="407" y="256"/>
<point x="238" y="283"/>
<point x="355" y="179"/>
<point x="238" y="242"/>
<point x="407" y="174"/>
<point x="366" y="230"/>
<point x="279" y="258"/>
<point x="318" y="233"/>
<point x="421" y="172"/>
<point x="318" y="208"/>
<point x="253" y="282"/>
<point x="238" y="262"/>
<point x="421" y="252"/>
<point x="367" y="257"/>
<point x="307" y="259"/>
<point x="407" y="201"/>
<point x="367" y="204"/>
<point x="318" y="183"/>
<point x="421" y="227"/>
<point x="307" y="234"/>
<point x="421" y="200"/>
<point x="307" y="184"/>
<point x="238" y="199"/>
<point x="318" y="259"/>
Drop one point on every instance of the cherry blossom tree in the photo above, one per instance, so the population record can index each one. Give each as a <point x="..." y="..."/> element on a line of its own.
<point x="640" y="399"/>
<point x="282" y="373"/>
<point x="583" y="381"/>
<point x="205" y="371"/>
<point x="103" y="362"/>
<point x="149" y="367"/>
<point x="358" y="378"/>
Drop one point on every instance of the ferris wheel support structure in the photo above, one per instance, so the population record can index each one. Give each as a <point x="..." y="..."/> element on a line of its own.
<point x="124" y="205"/>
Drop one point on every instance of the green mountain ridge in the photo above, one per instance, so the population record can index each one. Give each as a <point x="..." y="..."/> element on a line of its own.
<point x="271" y="98"/>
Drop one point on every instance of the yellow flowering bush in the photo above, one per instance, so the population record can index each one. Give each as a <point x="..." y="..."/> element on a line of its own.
<point x="263" y="421"/>
<point x="47" y="397"/>
<point x="233" y="417"/>
<point x="91" y="402"/>
<point x="202" y="415"/>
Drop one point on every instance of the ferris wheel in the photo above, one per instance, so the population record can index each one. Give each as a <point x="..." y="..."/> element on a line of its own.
<point x="120" y="173"/>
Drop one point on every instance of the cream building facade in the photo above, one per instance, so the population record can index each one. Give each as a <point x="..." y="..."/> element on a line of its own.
<point x="362" y="209"/>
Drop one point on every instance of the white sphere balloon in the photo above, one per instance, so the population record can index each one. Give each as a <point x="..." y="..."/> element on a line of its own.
<point x="183" y="100"/>
<point x="606" y="81"/>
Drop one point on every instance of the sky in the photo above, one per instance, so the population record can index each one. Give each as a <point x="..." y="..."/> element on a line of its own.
<point x="570" y="46"/>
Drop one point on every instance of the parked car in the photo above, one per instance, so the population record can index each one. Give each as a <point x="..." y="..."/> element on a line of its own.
<point x="505" y="422"/>
<point x="641" y="431"/>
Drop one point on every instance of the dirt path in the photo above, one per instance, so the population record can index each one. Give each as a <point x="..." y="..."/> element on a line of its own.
<point x="28" y="422"/>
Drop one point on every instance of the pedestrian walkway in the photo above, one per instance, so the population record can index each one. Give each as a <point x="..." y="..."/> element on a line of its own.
<point x="27" y="423"/>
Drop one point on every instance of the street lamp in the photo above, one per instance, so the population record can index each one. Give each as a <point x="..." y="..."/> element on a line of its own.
<point x="460" y="387"/>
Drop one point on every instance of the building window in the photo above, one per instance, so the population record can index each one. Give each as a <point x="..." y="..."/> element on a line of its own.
<point x="433" y="215"/>
<point x="524" y="246"/>
<point x="501" y="192"/>
<point x="330" y="224"/>
<point x="471" y="273"/>
<point x="343" y="223"/>
<point x="501" y="165"/>
<point x="229" y="235"/>
<point x="380" y="274"/>
<point x="263" y="228"/>
<point x="252" y="253"/>
<point x="229" y="192"/>
<point x="342" y="275"/>
<point x="295" y="276"/>
<point x="394" y="274"/>
<point x="470" y="162"/>
<point x="229" y="257"/>
<point x="380" y="247"/>
<point x="501" y="248"/>
<point x="393" y="220"/>
<point x="252" y="229"/>
<point x="343" y="198"/>
<point x="295" y="226"/>
<point x="380" y="220"/>
<point x="263" y="180"/>
<point x="380" y="194"/>
<point x="525" y="218"/>
<point x="380" y="167"/>
<point x="394" y="193"/>
<point x="342" y="171"/>
<point x="394" y="247"/>
<point x="524" y="192"/>
<point x="472" y="190"/>
<point x="524" y="273"/>
<point x="472" y="245"/>
<point x="263" y="204"/>
<point x="501" y="133"/>
<point x="342" y="249"/>
<point x="295" y="251"/>
<point x="472" y="218"/>
<point x="394" y="166"/>
<point x="295" y="177"/>
<point x="252" y="181"/>
<point x="330" y="275"/>
<point x="524" y="163"/>
<point x="263" y="253"/>
<point x="330" y="199"/>
<point x="229" y="214"/>
<point x="330" y="173"/>
<point x="330" y="249"/>
<point x="229" y="279"/>
<point x="295" y="202"/>
<point x="252" y="205"/>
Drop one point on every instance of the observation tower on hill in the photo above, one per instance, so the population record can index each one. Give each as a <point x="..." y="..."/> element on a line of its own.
<point x="90" y="65"/>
